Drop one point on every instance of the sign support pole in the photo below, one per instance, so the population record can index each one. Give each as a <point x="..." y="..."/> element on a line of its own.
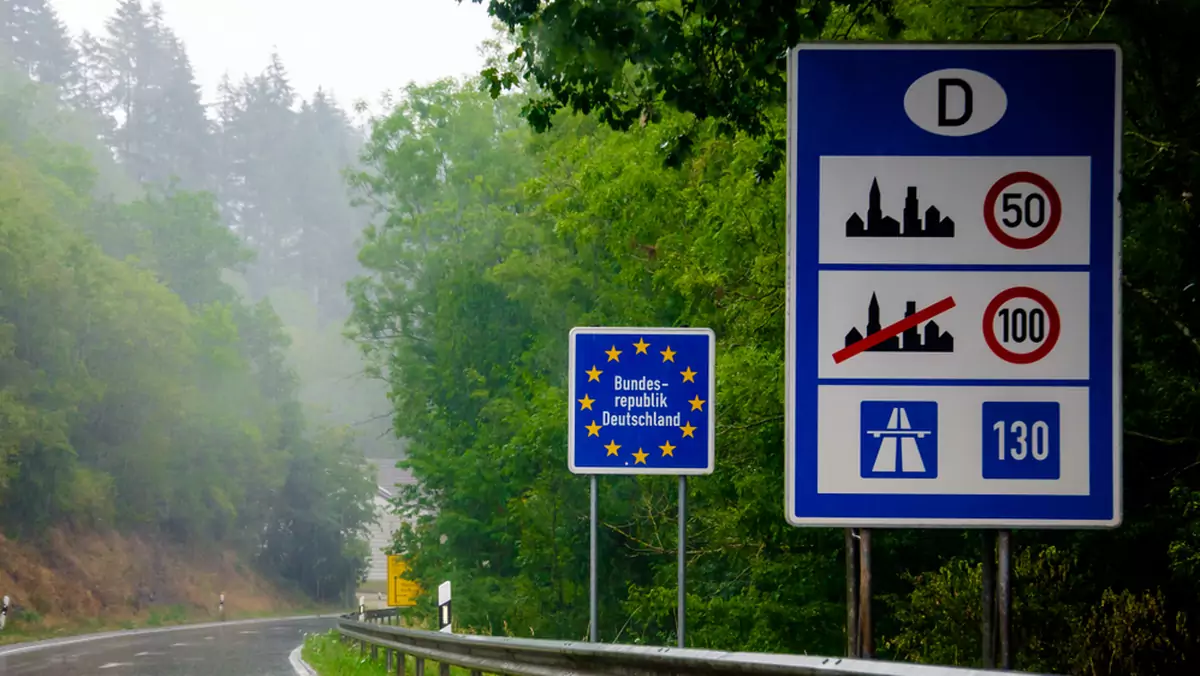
<point x="988" y="614"/>
<point x="852" y="647"/>
<point x="593" y="608"/>
<point x="682" y="564"/>
<point x="866" y="640"/>
<point x="1005" y="599"/>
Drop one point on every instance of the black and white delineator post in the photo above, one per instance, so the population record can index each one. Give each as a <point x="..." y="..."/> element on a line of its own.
<point x="4" y="612"/>
<point x="444" y="607"/>
<point x="222" y="606"/>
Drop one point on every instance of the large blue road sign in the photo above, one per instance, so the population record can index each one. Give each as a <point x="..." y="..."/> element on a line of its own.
<point x="642" y="401"/>
<point x="954" y="329"/>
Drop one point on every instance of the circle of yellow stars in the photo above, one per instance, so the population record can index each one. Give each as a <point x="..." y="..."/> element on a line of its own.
<point x="668" y="355"/>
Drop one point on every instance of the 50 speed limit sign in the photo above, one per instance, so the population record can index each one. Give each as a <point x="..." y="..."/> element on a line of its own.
<point x="1022" y="210"/>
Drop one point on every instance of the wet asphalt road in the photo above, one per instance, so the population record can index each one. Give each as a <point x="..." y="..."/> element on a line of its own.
<point x="233" y="649"/>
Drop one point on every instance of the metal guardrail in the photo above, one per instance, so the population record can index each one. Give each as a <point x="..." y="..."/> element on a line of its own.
<point x="379" y="630"/>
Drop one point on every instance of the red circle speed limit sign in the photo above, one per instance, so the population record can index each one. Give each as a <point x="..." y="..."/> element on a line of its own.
<point x="1021" y="325"/>
<point x="1022" y="210"/>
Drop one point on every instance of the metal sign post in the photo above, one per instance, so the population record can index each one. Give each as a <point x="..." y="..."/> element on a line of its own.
<point x="988" y="600"/>
<point x="853" y="648"/>
<point x="641" y="402"/>
<point x="681" y="565"/>
<point x="1004" y="598"/>
<point x="593" y="602"/>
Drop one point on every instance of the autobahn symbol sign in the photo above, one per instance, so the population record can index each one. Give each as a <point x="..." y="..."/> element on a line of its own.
<point x="953" y="313"/>
<point x="641" y="401"/>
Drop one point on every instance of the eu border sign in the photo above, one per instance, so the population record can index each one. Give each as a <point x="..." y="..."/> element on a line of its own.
<point x="954" y="327"/>
<point x="642" y="400"/>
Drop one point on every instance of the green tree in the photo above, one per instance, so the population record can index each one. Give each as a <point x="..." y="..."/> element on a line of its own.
<point x="477" y="275"/>
<point x="36" y="40"/>
<point x="137" y="389"/>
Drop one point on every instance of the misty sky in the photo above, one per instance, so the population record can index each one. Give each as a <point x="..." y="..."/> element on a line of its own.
<point x="357" y="48"/>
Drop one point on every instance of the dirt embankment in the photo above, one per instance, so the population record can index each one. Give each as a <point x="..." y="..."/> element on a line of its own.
<point x="68" y="577"/>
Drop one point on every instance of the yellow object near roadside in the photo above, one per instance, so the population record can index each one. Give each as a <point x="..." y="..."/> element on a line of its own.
<point x="401" y="592"/>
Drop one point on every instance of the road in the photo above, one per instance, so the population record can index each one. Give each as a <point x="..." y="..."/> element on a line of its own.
<point x="258" y="648"/>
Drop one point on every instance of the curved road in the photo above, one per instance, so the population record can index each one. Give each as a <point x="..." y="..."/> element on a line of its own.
<point x="248" y="648"/>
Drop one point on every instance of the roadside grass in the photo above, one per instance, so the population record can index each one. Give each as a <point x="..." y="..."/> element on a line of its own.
<point x="330" y="657"/>
<point x="26" y="626"/>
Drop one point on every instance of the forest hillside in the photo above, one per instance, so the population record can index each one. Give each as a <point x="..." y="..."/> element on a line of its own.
<point x="173" y="377"/>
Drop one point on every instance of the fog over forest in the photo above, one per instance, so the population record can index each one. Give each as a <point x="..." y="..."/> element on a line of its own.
<point x="174" y="299"/>
<point x="179" y="274"/>
<point x="271" y="155"/>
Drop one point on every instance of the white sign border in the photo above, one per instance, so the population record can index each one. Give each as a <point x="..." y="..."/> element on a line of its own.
<point x="712" y="404"/>
<point x="789" y="499"/>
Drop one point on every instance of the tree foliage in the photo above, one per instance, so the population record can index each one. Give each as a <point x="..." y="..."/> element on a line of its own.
<point x="138" y="389"/>
<point x="492" y="241"/>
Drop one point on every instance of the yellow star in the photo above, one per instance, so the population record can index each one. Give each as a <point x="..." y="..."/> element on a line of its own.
<point x="594" y="374"/>
<point x="668" y="449"/>
<point x="612" y="447"/>
<point x="668" y="354"/>
<point x="687" y="430"/>
<point x="613" y="353"/>
<point x="593" y="429"/>
<point x="696" y="402"/>
<point x="641" y="346"/>
<point x="688" y="375"/>
<point x="640" y="457"/>
<point x="587" y="402"/>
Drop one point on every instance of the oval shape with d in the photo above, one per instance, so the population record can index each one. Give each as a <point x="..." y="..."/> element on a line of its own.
<point x="955" y="102"/>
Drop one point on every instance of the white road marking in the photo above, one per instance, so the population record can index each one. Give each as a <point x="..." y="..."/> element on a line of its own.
<point x="299" y="665"/>
<point x="176" y="645"/>
<point x="110" y="665"/>
<point x="86" y="638"/>
<point x="147" y="652"/>
<point x="208" y="638"/>
<point x="247" y="632"/>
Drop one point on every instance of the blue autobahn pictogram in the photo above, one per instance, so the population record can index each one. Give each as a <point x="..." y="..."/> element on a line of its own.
<point x="899" y="439"/>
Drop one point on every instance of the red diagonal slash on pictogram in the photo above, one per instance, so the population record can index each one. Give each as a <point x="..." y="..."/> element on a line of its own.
<point x="894" y="329"/>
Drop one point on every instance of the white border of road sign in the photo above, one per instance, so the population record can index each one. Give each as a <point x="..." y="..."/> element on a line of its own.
<point x="712" y="389"/>
<point x="949" y="521"/>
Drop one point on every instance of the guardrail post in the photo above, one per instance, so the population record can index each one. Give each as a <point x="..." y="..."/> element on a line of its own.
<point x="419" y="665"/>
<point x="443" y="669"/>
<point x="374" y="653"/>
<point x="476" y="672"/>
<point x="401" y="658"/>
<point x="387" y="658"/>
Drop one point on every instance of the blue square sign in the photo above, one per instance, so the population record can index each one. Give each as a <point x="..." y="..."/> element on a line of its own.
<point x="953" y="348"/>
<point x="642" y="400"/>
<point x="898" y="440"/>
<point x="1021" y="440"/>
